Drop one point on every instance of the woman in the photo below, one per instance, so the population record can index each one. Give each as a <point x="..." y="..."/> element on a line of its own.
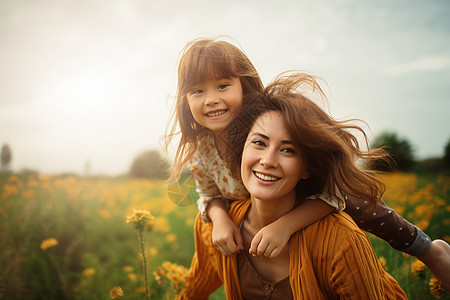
<point x="294" y="150"/>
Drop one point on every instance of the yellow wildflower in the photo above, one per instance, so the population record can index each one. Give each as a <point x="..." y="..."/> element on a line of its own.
<point x="171" y="237"/>
<point x="127" y="269"/>
<point x="141" y="289"/>
<point x="88" y="272"/>
<point x="189" y="222"/>
<point x="140" y="219"/>
<point x="175" y="273"/>
<point x="48" y="243"/>
<point x="417" y="267"/>
<point x="104" y="213"/>
<point x="423" y="224"/>
<point x="383" y="262"/>
<point x="115" y="292"/>
<point x="9" y="190"/>
<point x="158" y="274"/>
<point x="161" y="225"/>
<point x="153" y="251"/>
<point x="132" y="277"/>
<point x="436" y="288"/>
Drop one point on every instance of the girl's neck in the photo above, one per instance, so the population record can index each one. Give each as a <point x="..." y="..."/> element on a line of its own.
<point x="265" y="212"/>
<point x="220" y="140"/>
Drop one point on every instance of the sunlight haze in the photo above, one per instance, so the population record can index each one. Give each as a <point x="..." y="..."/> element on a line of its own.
<point x="93" y="82"/>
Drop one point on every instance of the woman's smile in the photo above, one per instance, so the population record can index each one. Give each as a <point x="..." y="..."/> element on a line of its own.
<point x="265" y="178"/>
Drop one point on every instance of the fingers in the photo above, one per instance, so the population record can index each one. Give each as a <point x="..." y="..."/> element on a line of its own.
<point x="275" y="252"/>
<point x="230" y="245"/>
<point x="261" y="246"/>
<point x="239" y="240"/>
<point x="255" y="244"/>
<point x="226" y="248"/>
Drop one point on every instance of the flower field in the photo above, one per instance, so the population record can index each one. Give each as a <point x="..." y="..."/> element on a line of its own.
<point x="66" y="237"/>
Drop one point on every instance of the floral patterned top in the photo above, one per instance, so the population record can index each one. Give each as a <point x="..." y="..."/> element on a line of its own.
<point x="214" y="178"/>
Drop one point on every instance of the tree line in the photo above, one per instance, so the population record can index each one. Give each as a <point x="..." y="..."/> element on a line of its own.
<point x="151" y="164"/>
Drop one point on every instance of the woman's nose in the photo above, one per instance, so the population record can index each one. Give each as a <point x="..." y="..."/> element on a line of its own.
<point x="269" y="159"/>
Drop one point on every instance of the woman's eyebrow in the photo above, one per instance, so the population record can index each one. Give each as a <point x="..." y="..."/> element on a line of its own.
<point x="260" y="135"/>
<point x="284" y="142"/>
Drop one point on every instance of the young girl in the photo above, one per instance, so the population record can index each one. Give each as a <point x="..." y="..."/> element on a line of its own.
<point x="216" y="81"/>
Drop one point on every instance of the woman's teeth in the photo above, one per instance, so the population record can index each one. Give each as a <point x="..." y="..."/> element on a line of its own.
<point x="216" y="113"/>
<point x="266" y="177"/>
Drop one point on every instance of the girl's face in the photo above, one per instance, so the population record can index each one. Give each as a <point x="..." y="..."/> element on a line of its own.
<point x="271" y="164"/>
<point x="215" y="103"/>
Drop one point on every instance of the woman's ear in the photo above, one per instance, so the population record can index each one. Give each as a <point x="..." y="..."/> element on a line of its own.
<point x="305" y="175"/>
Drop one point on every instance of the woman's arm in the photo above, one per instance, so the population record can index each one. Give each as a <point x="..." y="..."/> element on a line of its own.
<point x="355" y="270"/>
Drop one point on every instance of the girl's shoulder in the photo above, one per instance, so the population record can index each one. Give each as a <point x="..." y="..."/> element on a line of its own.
<point x="205" y="141"/>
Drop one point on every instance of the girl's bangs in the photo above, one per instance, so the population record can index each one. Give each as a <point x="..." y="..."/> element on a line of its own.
<point x="203" y="68"/>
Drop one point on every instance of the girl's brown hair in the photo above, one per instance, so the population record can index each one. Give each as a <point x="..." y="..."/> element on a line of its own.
<point x="328" y="146"/>
<point x="202" y="60"/>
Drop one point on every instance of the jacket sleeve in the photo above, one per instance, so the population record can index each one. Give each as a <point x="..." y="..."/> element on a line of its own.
<point x="203" y="276"/>
<point x="356" y="271"/>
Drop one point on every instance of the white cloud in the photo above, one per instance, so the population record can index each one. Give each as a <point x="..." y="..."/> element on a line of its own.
<point x="431" y="63"/>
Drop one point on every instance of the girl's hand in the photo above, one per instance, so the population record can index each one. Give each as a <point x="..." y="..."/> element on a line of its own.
<point x="226" y="236"/>
<point x="269" y="241"/>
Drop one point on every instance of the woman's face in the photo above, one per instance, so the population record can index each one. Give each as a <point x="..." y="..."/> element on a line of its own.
<point x="271" y="163"/>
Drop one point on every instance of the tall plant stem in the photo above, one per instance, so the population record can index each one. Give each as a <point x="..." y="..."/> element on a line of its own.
<point x="144" y="263"/>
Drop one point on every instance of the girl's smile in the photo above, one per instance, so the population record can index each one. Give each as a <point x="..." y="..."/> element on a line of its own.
<point x="216" y="114"/>
<point x="215" y="103"/>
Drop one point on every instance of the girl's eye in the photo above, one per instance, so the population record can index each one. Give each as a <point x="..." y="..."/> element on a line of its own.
<point x="196" y="92"/>
<point x="223" y="86"/>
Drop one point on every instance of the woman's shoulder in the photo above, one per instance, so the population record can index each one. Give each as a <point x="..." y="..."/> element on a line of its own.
<point x="338" y="224"/>
<point x="238" y="209"/>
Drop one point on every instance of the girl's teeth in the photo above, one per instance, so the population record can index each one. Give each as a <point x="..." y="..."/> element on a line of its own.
<point x="217" y="113"/>
<point x="265" y="177"/>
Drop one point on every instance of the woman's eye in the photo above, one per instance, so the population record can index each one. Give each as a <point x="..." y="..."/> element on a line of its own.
<point x="258" y="143"/>
<point x="288" y="150"/>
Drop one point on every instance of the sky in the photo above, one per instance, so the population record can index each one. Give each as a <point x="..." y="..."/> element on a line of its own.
<point x="89" y="84"/>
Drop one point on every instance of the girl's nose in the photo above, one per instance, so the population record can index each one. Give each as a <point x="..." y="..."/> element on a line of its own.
<point x="211" y="99"/>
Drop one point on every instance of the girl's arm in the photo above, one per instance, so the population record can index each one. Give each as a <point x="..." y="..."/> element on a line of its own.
<point x="401" y="235"/>
<point x="271" y="239"/>
<point x="226" y="236"/>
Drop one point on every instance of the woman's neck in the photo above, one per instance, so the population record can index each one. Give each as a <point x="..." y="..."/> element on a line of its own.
<point x="265" y="212"/>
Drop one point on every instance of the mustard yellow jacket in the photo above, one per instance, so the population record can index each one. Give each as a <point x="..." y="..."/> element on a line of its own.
<point x="330" y="259"/>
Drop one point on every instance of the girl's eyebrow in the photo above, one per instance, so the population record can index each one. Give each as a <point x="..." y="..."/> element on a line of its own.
<point x="284" y="142"/>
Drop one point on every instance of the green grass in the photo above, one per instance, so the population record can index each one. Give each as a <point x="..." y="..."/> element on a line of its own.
<point x="87" y="218"/>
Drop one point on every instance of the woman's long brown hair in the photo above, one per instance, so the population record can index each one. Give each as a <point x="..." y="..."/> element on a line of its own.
<point x="330" y="147"/>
